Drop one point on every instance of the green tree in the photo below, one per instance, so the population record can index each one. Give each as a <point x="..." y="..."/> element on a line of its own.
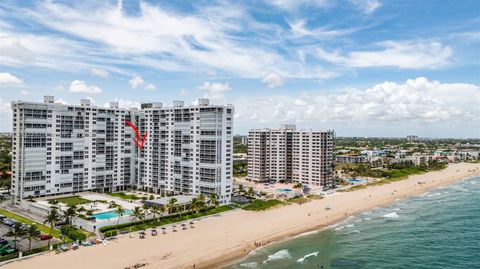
<point x="171" y="205"/>
<point x="119" y="210"/>
<point x="16" y="232"/>
<point x="137" y="214"/>
<point x="32" y="232"/>
<point x="70" y="214"/>
<point x="52" y="218"/>
<point x="213" y="200"/>
<point x="250" y="192"/>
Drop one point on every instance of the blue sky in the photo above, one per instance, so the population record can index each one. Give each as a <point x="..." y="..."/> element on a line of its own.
<point x="361" y="67"/>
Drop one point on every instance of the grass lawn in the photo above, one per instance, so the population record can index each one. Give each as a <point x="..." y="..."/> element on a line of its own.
<point x="137" y="226"/>
<point x="125" y="196"/>
<point x="298" y="200"/>
<point x="71" y="200"/>
<point x="41" y="227"/>
<point x="259" y="205"/>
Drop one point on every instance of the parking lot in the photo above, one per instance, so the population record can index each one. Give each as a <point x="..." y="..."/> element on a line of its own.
<point x="22" y="245"/>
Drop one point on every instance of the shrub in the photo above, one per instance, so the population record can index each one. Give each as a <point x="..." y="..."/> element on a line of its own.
<point x="259" y="205"/>
<point x="73" y="233"/>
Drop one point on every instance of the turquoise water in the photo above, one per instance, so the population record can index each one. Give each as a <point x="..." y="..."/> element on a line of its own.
<point x="110" y="214"/>
<point x="439" y="229"/>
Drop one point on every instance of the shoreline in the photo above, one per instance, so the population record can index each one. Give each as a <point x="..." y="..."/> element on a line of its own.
<point x="217" y="242"/>
<point x="223" y="264"/>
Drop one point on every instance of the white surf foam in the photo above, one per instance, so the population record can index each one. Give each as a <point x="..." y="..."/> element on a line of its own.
<point x="350" y="225"/>
<point x="392" y="215"/>
<point x="249" y="265"/>
<point x="301" y="260"/>
<point x="282" y="254"/>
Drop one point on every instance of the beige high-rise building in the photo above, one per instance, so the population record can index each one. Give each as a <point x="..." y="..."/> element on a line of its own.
<point x="291" y="155"/>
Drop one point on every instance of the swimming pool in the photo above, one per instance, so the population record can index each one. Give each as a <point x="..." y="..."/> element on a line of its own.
<point x="354" y="180"/>
<point x="285" y="190"/>
<point x="110" y="214"/>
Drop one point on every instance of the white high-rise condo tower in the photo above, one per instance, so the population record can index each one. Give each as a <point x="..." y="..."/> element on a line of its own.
<point x="60" y="149"/>
<point x="291" y="155"/>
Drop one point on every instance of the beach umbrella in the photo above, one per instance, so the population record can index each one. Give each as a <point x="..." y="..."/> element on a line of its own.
<point x="191" y="222"/>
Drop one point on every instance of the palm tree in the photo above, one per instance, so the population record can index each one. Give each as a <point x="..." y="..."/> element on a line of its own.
<point x="119" y="211"/>
<point x="162" y="210"/>
<point x="171" y="205"/>
<point x="70" y="214"/>
<point x="16" y="232"/>
<point x="32" y="232"/>
<point x="193" y="205"/>
<point x="146" y="211"/>
<point x="214" y="200"/>
<point x="250" y="192"/>
<point x="52" y="218"/>
<point x="155" y="210"/>
<point x="137" y="214"/>
<point x="298" y="186"/>
<point x="240" y="188"/>
<point x="201" y="202"/>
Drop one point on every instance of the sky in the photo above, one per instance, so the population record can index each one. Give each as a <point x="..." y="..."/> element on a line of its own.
<point x="360" y="67"/>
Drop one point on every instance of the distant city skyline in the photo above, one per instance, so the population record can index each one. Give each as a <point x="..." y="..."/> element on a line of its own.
<point x="361" y="67"/>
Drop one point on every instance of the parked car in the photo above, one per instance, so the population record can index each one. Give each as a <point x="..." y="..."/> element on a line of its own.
<point x="9" y="222"/>
<point x="2" y="217"/>
<point x="45" y="237"/>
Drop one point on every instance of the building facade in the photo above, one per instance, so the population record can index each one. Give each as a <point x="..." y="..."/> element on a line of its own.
<point x="291" y="155"/>
<point x="59" y="149"/>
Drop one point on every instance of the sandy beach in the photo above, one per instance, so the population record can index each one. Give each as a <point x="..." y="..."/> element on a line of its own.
<point x="219" y="240"/>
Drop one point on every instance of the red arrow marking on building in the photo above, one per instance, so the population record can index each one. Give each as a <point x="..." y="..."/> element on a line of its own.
<point x="139" y="138"/>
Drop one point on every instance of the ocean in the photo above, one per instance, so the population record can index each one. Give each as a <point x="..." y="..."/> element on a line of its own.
<point x="438" y="229"/>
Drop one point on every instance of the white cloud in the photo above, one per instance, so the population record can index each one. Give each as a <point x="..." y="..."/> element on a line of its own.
<point x="367" y="6"/>
<point x="24" y="92"/>
<point x="124" y="103"/>
<point x="136" y="81"/>
<point x="150" y="87"/>
<point x="215" y="91"/>
<point x="80" y="86"/>
<point x="184" y="92"/>
<point x="273" y="79"/>
<point x="62" y="101"/>
<point x="408" y="55"/>
<point x="9" y="79"/>
<point x="13" y="52"/>
<point x="100" y="72"/>
<point x="294" y="4"/>
<point x="388" y="104"/>
<point x="299" y="29"/>
<point x="210" y="39"/>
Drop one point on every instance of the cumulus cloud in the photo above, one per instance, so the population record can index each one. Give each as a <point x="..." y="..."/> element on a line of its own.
<point x="419" y="100"/>
<point x="150" y="87"/>
<point x="273" y="79"/>
<point x="124" y="103"/>
<point x="9" y="79"/>
<point x="100" y="72"/>
<point x="408" y="55"/>
<point x="137" y="81"/>
<point x="215" y="91"/>
<point x="80" y="86"/>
